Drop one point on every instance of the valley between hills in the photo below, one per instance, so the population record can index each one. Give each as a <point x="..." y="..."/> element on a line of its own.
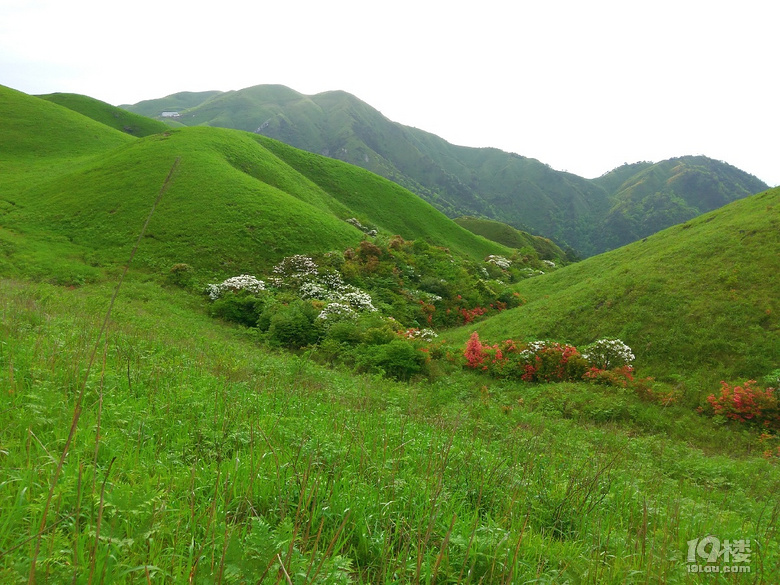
<point x="281" y="339"/>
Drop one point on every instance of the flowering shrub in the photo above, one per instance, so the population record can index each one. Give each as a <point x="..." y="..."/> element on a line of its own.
<point x="474" y="354"/>
<point x="330" y="287"/>
<point x="236" y="283"/>
<point x="422" y="334"/>
<point x="547" y="361"/>
<point x="537" y="361"/>
<point x="470" y="314"/>
<point x="500" y="261"/>
<point x="337" y="312"/>
<point x="747" y="404"/>
<point x="606" y="354"/>
<point x="292" y="271"/>
<point x="620" y="377"/>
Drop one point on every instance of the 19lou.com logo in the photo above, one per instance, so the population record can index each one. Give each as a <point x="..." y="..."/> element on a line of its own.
<point x="704" y="554"/>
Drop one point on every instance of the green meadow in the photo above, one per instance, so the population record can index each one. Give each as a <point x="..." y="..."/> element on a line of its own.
<point x="147" y="437"/>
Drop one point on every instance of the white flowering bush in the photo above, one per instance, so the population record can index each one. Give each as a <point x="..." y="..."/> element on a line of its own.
<point x="245" y="282"/>
<point x="549" y="263"/>
<point x="293" y="270"/>
<point x="606" y="354"/>
<point x="330" y="287"/>
<point x="356" y="298"/>
<point x="500" y="261"/>
<point x="337" y="312"/>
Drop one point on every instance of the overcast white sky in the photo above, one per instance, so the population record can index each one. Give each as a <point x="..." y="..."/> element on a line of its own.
<point x="581" y="85"/>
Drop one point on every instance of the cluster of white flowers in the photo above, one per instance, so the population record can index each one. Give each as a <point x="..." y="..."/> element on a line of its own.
<point x="337" y="312"/>
<point x="293" y="269"/>
<point x="531" y="272"/>
<point x="424" y="334"/>
<point x="330" y="287"/>
<point x="356" y="298"/>
<point x="608" y="353"/>
<point x="549" y="263"/>
<point x="500" y="261"/>
<point x="235" y="283"/>
<point x="314" y="290"/>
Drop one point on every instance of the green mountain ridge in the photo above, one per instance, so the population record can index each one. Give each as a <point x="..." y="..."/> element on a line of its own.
<point x="589" y="215"/>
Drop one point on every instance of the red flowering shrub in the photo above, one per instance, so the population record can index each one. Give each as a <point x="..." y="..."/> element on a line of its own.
<point x="544" y="361"/>
<point x="615" y="377"/>
<point x="473" y="353"/>
<point x="470" y="314"/>
<point x="747" y="404"/>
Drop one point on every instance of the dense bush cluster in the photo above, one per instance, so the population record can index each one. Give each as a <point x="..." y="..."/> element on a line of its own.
<point x="550" y="361"/>
<point x="606" y="362"/>
<point x="361" y="306"/>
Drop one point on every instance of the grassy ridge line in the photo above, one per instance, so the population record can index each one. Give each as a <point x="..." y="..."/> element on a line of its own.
<point x="223" y="457"/>
<point x="696" y="301"/>
<point x="107" y="114"/>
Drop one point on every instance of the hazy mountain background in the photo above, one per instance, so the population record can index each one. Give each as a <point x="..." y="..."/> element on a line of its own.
<point x="588" y="215"/>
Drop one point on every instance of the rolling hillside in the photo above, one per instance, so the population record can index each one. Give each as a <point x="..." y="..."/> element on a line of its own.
<point x="697" y="301"/>
<point x="238" y="202"/>
<point x="589" y="215"/>
<point x="143" y="439"/>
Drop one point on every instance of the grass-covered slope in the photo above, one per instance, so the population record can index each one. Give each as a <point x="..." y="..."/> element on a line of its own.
<point x="35" y="131"/>
<point x="107" y="114"/>
<point x="233" y="204"/>
<point x="199" y="457"/>
<point x="699" y="299"/>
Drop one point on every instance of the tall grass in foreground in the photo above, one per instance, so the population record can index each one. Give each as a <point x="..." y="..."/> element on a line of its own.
<point x="201" y="459"/>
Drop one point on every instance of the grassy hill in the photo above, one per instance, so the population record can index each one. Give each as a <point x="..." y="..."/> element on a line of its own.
<point x="111" y="116"/>
<point x="239" y="202"/>
<point x="589" y="215"/>
<point x="697" y="301"/>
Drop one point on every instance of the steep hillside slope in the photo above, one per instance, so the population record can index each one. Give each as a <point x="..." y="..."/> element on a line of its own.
<point x="697" y="299"/>
<point x="111" y="116"/>
<point x="483" y="182"/>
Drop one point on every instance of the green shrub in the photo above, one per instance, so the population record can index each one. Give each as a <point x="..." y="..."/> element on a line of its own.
<point x="240" y="307"/>
<point x="293" y="326"/>
<point x="398" y="359"/>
